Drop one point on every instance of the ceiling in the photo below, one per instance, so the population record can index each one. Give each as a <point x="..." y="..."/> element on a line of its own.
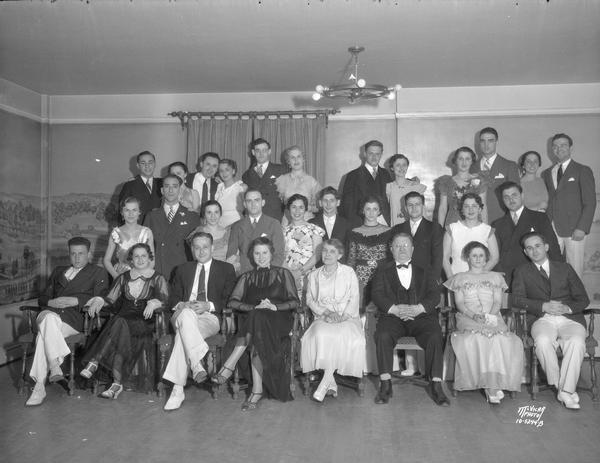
<point x="186" y="46"/>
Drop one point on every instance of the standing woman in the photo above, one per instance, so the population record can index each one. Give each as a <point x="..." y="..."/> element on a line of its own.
<point x="230" y="193"/>
<point x="211" y="214"/>
<point x="469" y="228"/>
<point x="335" y="341"/>
<point x="188" y="197"/>
<point x="122" y="238"/>
<point x="452" y="188"/>
<point x="302" y="239"/>
<point x="535" y="194"/>
<point x="401" y="185"/>
<point x="125" y="346"/>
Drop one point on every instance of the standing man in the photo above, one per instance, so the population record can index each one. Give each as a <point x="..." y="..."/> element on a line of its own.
<point x="553" y="293"/>
<point x="254" y="225"/>
<point x="406" y="296"/>
<point x="262" y="175"/>
<point x="68" y="290"/>
<point x="328" y="218"/>
<point x="513" y="225"/>
<point x="199" y="294"/>
<point x="571" y="200"/>
<point x="144" y="187"/>
<point x="204" y="181"/>
<point x="367" y="180"/>
<point x="499" y="169"/>
<point x="171" y="224"/>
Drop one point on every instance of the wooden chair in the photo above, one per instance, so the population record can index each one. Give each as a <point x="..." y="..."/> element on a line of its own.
<point x="27" y="343"/>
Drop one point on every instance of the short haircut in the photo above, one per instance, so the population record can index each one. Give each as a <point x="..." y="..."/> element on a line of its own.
<point x="178" y="164"/>
<point x="130" y="199"/>
<point x="474" y="245"/>
<point x="335" y="243"/>
<point x="79" y="241"/>
<point x="562" y="135"/>
<point x="490" y="130"/>
<point x="297" y="197"/>
<point x="231" y="163"/>
<point x="210" y="154"/>
<point x="401" y="235"/>
<point x="252" y="190"/>
<point x="179" y="180"/>
<point x="464" y="149"/>
<point x="528" y="235"/>
<point x="367" y="200"/>
<point x="373" y="143"/>
<point x="259" y="141"/>
<point x="328" y="190"/>
<point x="461" y="202"/>
<point x="210" y="202"/>
<point x="260" y="241"/>
<point x="139" y="246"/>
<point x="414" y="194"/>
<point x="395" y="157"/>
<point x="199" y="234"/>
<point x="524" y="156"/>
<point x="506" y="185"/>
<point x="144" y="153"/>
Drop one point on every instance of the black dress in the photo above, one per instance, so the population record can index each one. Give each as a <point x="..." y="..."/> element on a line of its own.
<point x="126" y="340"/>
<point x="270" y="330"/>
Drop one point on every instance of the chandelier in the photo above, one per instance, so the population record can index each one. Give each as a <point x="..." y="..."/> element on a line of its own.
<point x="355" y="88"/>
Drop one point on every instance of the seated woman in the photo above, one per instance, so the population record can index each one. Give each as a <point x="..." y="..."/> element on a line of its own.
<point x="188" y="197"/>
<point x="211" y="213"/>
<point x="302" y="240"/>
<point x="264" y="300"/>
<point x="125" y="343"/>
<point x="230" y="193"/>
<point x="335" y="341"/>
<point x="125" y="236"/>
<point x="488" y="356"/>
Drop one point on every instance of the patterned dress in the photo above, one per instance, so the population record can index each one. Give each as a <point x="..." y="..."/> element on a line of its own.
<point x="299" y="249"/>
<point x="449" y="188"/>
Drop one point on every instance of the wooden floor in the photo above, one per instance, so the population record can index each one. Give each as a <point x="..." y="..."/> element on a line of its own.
<point x="134" y="428"/>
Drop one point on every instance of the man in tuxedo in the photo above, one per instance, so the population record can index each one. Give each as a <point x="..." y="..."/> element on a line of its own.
<point x="499" y="170"/>
<point x="328" y="218"/>
<point x="144" y="186"/>
<point x="427" y="236"/>
<point x="254" y="225"/>
<point x="571" y="200"/>
<point x="367" y="180"/>
<point x="199" y="294"/>
<point x="406" y="296"/>
<point x="262" y="175"/>
<point x="67" y="292"/>
<point x="554" y="295"/>
<point x="171" y="224"/>
<point x="513" y="225"/>
<point x="204" y="181"/>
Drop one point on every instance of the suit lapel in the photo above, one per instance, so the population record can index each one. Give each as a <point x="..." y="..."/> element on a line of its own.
<point x="191" y="273"/>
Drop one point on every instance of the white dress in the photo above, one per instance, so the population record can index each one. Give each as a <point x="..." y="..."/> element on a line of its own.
<point x="230" y="199"/>
<point x="461" y="236"/>
<point x="339" y="346"/>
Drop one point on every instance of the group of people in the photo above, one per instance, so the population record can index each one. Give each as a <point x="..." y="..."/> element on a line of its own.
<point x="195" y="244"/>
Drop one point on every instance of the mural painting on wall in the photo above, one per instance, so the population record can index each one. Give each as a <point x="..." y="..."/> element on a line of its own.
<point x="591" y="266"/>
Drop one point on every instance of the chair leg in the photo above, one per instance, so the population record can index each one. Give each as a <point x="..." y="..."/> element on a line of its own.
<point x="22" y="381"/>
<point x="306" y="383"/>
<point x="361" y="386"/>
<point x="72" y="374"/>
<point x="535" y="387"/>
<point x="235" y="386"/>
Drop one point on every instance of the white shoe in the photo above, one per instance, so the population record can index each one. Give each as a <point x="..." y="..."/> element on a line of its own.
<point x="175" y="400"/>
<point x="567" y="400"/>
<point x="408" y="372"/>
<point x="37" y="397"/>
<point x="575" y="397"/>
<point x="332" y="389"/>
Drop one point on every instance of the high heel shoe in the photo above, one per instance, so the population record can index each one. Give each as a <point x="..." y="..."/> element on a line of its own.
<point x="493" y="399"/>
<point x="112" y="392"/>
<point x="250" y="403"/>
<point x="320" y="392"/>
<point x="332" y="390"/>
<point x="221" y="377"/>
<point x="89" y="370"/>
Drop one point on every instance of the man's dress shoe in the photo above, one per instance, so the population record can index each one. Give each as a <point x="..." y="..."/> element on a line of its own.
<point x="568" y="400"/>
<point x="175" y="401"/>
<point x="385" y="392"/>
<point x="36" y="398"/>
<point x="437" y="393"/>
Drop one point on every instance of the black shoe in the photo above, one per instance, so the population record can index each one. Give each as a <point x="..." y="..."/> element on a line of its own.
<point x="385" y="391"/>
<point x="437" y="393"/>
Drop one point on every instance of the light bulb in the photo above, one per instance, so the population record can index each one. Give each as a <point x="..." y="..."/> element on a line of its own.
<point x="319" y="88"/>
<point x="391" y="95"/>
<point x="316" y="96"/>
<point x="397" y="87"/>
<point x="361" y="83"/>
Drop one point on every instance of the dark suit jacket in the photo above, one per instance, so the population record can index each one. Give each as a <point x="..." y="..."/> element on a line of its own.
<point x="189" y="182"/>
<point x="501" y="171"/>
<point x="387" y="290"/>
<point x="242" y="234"/>
<point x="221" y="280"/>
<point x="266" y="185"/>
<point x="137" y="188"/>
<point x="530" y="289"/>
<point x="428" y="251"/>
<point x="358" y="185"/>
<point x="170" y="247"/>
<point x="571" y="206"/>
<point x="90" y="281"/>
<point x="509" y="236"/>
<point x="340" y="231"/>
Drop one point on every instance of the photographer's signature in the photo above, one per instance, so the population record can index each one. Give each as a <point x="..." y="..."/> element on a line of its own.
<point x="531" y="415"/>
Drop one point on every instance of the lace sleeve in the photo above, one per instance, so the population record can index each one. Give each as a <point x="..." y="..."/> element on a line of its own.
<point x="161" y="289"/>
<point x="116" y="289"/>
<point x="292" y="302"/>
<point x="236" y="300"/>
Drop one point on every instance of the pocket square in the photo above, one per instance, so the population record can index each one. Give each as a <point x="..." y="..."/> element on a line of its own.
<point x="264" y="235"/>
<point x="500" y="175"/>
<point x="272" y="176"/>
<point x="183" y="223"/>
<point x="571" y="180"/>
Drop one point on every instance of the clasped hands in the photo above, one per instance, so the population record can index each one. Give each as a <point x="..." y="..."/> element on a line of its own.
<point x="266" y="304"/>
<point x="406" y="312"/>
<point x="555" y="308"/>
<point x="197" y="306"/>
<point x="330" y="316"/>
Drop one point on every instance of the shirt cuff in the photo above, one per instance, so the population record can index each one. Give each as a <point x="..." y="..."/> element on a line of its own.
<point x="211" y="307"/>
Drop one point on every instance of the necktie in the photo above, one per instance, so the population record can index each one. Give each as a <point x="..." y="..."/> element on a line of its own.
<point x="515" y="219"/>
<point x="413" y="228"/>
<point x="487" y="164"/>
<point x="148" y="185"/>
<point x="205" y="191"/>
<point x="171" y="213"/>
<point x="70" y="273"/>
<point x="254" y="222"/>
<point x="202" y="285"/>
<point x="259" y="170"/>
<point x="543" y="272"/>
<point x="374" y="174"/>
<point x="559" y="174"/>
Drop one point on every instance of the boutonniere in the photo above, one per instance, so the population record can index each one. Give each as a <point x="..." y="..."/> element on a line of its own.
<point x="182" y="214"/>
<point x="500" y="175"/>
<point x="272" y="177"/>
<point x="475" y="182"/>
<point x="571" y="180"/>
<point x="264" y="235"/>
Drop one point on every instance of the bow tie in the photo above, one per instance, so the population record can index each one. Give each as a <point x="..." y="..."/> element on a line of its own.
<point x="403" y="265"/>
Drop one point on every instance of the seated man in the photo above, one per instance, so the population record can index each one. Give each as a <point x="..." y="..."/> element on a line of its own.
<point x="407" y="296"/>
<point x="68" y="290"/>
<point x="553" y="293"/>
<point x="198" y="295"/>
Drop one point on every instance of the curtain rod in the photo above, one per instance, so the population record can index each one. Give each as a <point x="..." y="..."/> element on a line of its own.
<point x="183" y="116"/>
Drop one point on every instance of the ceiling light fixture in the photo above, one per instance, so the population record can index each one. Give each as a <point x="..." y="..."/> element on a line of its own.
<point x="355" y="88"/>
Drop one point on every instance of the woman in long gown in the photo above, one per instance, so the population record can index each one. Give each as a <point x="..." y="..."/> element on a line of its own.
<point x="188" y="197"/>
<point x="123" y="237"/>
<point x="302" y="239"/>
<point x="469" y="228"/>
<point x="264" y="300"/>
<point x="452" y="188"/>
<point x="211" y="213"/>
<point x="335" y="341"/>
<point x="488" y="355"/>
<point x="535" y="193"/>
<point x="397" y="189"/>
<point x="125" y="343"/>
<point x="230" y="193"/>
